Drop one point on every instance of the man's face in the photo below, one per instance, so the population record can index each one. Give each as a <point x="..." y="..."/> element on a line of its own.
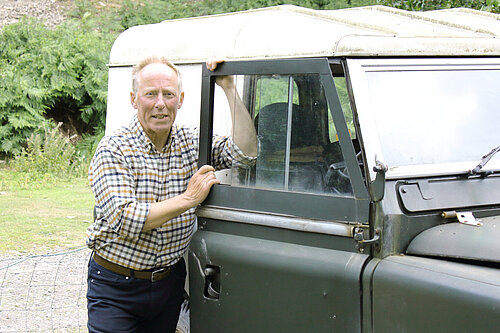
<point x="157" y="100"/>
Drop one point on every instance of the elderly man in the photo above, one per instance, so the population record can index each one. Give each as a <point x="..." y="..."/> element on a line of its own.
<point x="146" y="186"/>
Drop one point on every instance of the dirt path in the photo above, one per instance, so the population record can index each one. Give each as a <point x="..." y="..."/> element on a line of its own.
<point x="51" y="12"/>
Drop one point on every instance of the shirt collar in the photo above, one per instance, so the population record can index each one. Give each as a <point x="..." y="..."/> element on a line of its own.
<point x="144" y="140"/>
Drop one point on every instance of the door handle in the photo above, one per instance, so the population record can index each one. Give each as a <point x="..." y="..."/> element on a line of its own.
<point x="212" y="282"/>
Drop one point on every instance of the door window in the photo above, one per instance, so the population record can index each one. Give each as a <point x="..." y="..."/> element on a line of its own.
<point x="298" y="143"/>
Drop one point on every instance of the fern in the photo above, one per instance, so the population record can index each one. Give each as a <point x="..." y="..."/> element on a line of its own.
<point x="47" y="73"/>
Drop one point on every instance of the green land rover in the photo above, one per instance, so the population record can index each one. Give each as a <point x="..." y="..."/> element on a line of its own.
<point x="374" y="202"/>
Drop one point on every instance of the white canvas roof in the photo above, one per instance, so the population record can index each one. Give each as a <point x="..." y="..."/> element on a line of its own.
<point x="290" y="31"/>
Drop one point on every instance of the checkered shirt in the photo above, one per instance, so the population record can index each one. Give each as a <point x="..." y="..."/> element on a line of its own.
<point x="127" y="174"/>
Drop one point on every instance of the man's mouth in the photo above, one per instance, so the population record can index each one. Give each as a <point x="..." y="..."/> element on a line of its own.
<point x="160" y="116"/>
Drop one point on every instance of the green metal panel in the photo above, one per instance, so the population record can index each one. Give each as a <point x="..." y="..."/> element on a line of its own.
<point x="445" y="194"/>
<point x="367" y="288"/>
<point x="412" y="294"/>
<point x="271" y="286"/>
<point x="278" y="232"/>
<point x="321" y="207"/>
<point x="458" y="240"/>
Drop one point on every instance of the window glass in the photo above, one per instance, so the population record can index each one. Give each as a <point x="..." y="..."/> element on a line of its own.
<point x="438" y="116"/>
<point x="341" y="86"/>
<point x="294" y="128"/>
<point x="273" y="89"/>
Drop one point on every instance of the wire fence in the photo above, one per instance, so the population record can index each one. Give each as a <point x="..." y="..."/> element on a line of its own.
<point x="44" y="293"/>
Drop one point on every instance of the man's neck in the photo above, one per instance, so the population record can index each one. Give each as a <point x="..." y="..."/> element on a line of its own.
<point x="159" y="140"/>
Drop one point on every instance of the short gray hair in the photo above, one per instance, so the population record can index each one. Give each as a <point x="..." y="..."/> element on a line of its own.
<point x="153" y="60"/>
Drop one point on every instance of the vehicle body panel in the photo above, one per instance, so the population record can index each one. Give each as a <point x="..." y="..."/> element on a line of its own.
<point x="255" y="273"/>
<point x="460" y="241"/>
<point x="412" y="294"/>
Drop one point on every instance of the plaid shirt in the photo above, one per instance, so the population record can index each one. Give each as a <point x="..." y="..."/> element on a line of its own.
<point x="127" y="174"/>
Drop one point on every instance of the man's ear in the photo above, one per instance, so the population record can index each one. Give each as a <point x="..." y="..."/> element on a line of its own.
<point x="181" y="100"/>
<point x="133" y="100"/>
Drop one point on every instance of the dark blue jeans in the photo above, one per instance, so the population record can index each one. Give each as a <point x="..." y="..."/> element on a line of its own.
<point x="119" y="304"/>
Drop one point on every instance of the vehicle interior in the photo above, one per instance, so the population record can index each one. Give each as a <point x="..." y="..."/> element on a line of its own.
<point x="299" y="148"/>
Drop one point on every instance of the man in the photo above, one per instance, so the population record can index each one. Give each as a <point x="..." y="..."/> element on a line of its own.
<point x="146" y="186"/>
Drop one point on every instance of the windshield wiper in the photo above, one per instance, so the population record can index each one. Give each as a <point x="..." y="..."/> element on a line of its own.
<point x="486" y="158"/>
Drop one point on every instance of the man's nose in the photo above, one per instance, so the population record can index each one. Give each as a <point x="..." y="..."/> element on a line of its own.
<point x="160" y="101"/>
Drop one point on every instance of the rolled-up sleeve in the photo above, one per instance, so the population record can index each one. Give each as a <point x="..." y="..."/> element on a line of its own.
<point x="113" y="184"/>
<point x="226" y="154"/>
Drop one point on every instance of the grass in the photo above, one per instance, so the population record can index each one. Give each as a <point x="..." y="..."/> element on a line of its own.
<point x="43" y="216"/>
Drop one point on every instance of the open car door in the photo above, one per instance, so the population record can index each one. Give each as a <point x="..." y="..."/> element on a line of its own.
<point x="274" y="250"/>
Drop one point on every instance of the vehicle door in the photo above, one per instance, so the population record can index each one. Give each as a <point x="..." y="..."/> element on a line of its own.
<point x="274" y="250"/>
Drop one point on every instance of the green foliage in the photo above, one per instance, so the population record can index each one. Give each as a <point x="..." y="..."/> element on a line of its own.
<point x="47" y="73"/>
<point x="134" y="12"/>
<point x="86" y="147"/>
<point x="49" y="156"/>
<point x="423" y="5"/>
<point x="224" y="6"/>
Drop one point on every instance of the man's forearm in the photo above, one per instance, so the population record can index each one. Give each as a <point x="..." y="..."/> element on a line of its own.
<point x="197" y="190"/>
<point x="244" y="135"/>
<point x="163" y="211"/>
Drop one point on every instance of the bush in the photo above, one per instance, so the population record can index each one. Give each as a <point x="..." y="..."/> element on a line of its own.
<point x="134" y="12"/>
<point x="86" y="147"/>
<point x="57" y="74"/>
<point x="49" y="156"/>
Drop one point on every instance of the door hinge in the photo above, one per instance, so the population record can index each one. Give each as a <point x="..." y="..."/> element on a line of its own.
<point x="362" y="242"/>
<point x="463" y="217"/>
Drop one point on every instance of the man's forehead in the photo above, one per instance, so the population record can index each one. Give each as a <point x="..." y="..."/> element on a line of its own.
<point x="158" y="70"/>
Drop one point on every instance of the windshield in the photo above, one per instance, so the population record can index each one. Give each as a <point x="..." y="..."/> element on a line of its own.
<point x="435" y="116"/>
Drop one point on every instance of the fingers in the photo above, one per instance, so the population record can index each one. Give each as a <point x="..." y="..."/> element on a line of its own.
<point x="205" y="176"/>
<point x="209" y="175"/>
<point x="200" y="184"/>
<point x="205" y="168"/>
<point x="213" y="62"/>
<point x="225" y="82"/>
<point x="208" y="179"/>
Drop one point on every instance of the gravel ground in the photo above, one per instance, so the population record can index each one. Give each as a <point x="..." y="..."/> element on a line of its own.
<point x="44" y="293"/>
<point x="51" y="12"/>
<point x="47" y="293"/>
